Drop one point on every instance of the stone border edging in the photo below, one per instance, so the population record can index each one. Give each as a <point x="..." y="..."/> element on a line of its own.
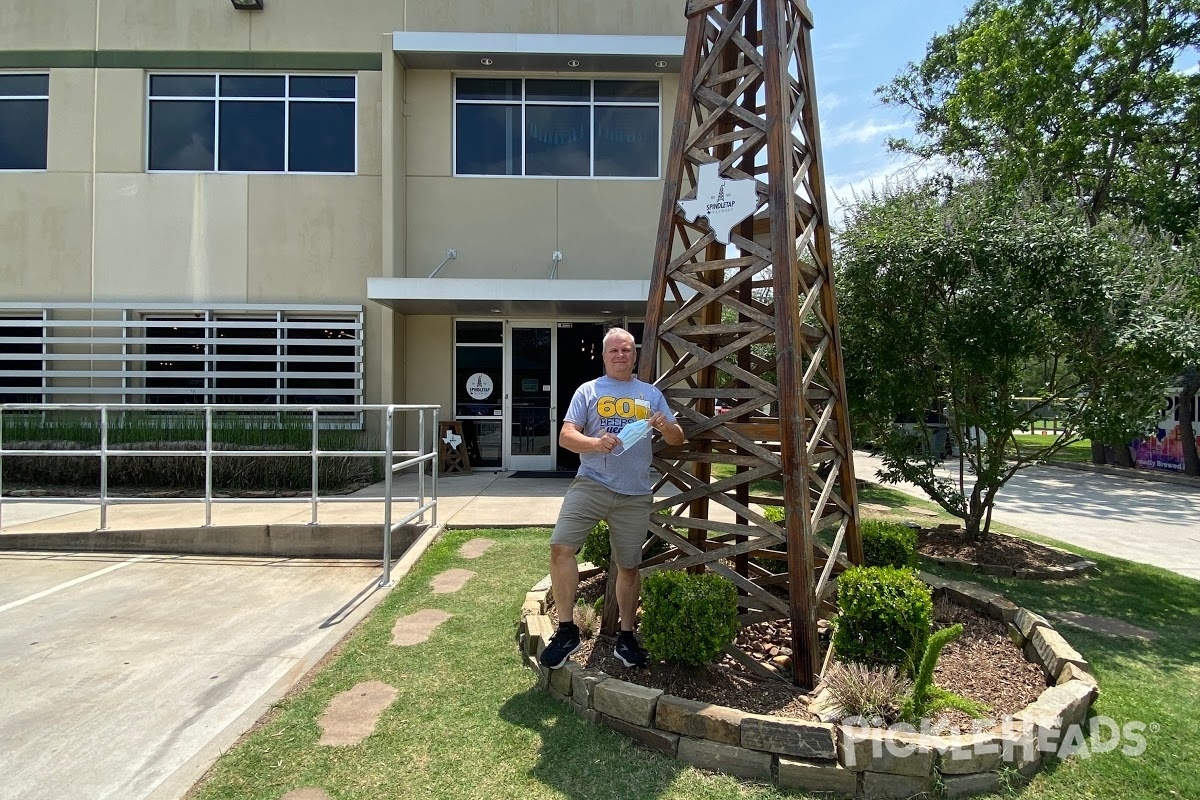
<point x="825" y="756"/>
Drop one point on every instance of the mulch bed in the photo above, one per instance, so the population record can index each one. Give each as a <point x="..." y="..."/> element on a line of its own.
<point x="998" y="549"/>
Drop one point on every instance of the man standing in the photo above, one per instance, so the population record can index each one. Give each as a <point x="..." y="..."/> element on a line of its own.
<point x="613" y="484"/>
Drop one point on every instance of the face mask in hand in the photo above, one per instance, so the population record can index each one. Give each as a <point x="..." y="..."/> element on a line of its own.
<point x="633" y="433"/>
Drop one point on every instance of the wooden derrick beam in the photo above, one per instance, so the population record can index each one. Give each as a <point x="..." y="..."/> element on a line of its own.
<point x="754" y="323"/>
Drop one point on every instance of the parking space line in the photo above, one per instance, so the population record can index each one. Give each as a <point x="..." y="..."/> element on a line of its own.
<point x="70" y="583"/>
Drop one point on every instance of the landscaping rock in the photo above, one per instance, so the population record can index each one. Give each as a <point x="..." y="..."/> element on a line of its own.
<point x="817" y="777"/>
<point x="792" y="737"/>
<point x="450" y="581"/>
<point x="1057" y="709"/>
<point x="417" y="627"/>
<point x="628" y="701"/>
<point x="583" y="686"/>
<point x="882" y="784"/>
<point x="475" y="547"/>
<point x="1073" y="672"/>
<point x="967" y="753"/>
<point x="351" y="716"/>
<point x="893" y="752"/>
<point x="1047" y="647"/>
<point x="659" y="741"/>
<point x="307" y="793"/>
<point x="725" y="758"/>
<point x="1026" y="621"/>
<point x="700" y="720"/>
<point x="562" y="678"/>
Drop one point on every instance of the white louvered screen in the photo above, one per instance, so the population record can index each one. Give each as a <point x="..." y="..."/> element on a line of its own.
<point x="175" y="353"/>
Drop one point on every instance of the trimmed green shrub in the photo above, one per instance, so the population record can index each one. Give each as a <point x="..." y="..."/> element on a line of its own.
<point x="885" y="617"/>
<point x="773" y="513"/>
<point x="687" y="619"/>
<point x="888" y="544"/>
<point x="596" y="549"/>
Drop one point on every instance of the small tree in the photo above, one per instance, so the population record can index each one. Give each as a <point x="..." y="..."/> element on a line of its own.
<point x="950" y="296"/>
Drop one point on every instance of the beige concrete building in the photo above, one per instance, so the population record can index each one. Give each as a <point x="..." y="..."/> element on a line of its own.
<point x="376" y="201"/>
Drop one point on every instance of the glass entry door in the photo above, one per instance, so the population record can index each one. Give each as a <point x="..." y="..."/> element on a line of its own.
<point x="533" y="416"/>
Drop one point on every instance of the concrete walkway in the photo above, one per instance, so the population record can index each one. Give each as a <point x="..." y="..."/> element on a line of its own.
<point x="1137" y="519"/>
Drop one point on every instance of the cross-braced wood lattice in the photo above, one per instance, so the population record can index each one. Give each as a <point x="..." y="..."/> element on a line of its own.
<point x="755" y="324"/>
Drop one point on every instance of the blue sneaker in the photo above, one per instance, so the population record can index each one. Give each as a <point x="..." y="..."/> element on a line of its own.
<point x="629" y="651"/>
<point x="563" y="643"/>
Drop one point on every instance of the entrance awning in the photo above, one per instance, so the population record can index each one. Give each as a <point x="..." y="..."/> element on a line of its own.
<point x="511" y="297"/>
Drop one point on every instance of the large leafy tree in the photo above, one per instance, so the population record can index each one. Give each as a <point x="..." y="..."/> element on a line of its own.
<point x="1082" y="96"/>
<point x="951" y="299"/>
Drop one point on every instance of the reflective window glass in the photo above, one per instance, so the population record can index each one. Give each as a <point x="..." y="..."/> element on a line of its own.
<point x="488" y="89"/>
<point x="251" y="137"/>
<point x="557" y="140"/>
<point x="626" y="141"/>
<point x="557" y="127"/>
<point x="555" y="91"/>
<point x="252" y="85"/>
<point x="488" y="140"/>
<point x="182" y="135"/>
<point x="321" y="86"/>
<point x="23" y="134"/>
<point x="254" y="125"/>
<point x="321" y="137"/>
<point x="183" y="86"/>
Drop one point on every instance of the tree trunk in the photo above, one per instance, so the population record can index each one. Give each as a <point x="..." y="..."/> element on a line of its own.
<point x="1121" y="455"/>
<point x="1098" y="456"/>
<point x="1187" y="420"/>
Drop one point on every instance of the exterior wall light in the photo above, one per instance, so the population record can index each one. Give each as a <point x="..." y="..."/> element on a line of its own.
<point x="247" y="5"/>
<point x="487" y="62"/>
<point x="574" y="62"/>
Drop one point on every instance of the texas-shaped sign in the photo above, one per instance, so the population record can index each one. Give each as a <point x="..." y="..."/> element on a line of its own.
<point x="723" y="202"/>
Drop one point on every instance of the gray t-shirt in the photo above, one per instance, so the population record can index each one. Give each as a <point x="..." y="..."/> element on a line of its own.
<point x="607" y="404"/>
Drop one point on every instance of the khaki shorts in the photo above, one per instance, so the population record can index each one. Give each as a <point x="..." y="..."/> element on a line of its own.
<point x="588" y="502"/>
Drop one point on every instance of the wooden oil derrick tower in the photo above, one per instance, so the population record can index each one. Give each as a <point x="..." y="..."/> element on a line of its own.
<point x="743" y="262"/>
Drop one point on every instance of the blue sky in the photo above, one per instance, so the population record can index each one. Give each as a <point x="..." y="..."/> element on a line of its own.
<point x="856" y="47"/>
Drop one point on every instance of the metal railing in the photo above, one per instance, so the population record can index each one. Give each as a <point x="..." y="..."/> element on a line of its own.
<point x="426" y="453"/>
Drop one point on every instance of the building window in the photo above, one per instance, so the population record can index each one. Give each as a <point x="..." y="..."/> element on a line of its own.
<point x="22" y="363"/>
<point x="252" y="123"/>
<point x="542" y="127"/>
<point x="24" y="110"/>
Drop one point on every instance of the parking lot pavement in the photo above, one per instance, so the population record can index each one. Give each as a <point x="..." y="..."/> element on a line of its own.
<point x="124" y="676"/>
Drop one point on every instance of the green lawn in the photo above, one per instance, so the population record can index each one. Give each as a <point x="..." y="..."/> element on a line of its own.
<point x="1077" y="452"/>
<point x="467" y="722"/>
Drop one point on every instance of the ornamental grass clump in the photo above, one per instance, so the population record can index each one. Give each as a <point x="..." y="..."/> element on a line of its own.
<point x="888" y="544"/>
<point x="885" y="615"/>
<point x="873" y="694"/>
<point x="688" y="619"/>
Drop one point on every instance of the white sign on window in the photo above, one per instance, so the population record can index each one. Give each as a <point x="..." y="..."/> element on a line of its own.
<point x="479" y="386"/>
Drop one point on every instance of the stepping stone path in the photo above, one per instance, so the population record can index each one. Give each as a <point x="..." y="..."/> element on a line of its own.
<point x="475" y="548"/>
<point x="920" y="512"/>
<point x="1107" y="625"/>
<point x="450" y="581"/>
<point x="416" y="627"/>
<point x="351" y="715"/>
<point x="307" y="793"/>
<point x="875" y="507"/>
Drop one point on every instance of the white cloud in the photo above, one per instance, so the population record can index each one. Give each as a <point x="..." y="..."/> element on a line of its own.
<point x="862" y="132"/>
<point x="1192" y="70"/>
<point x="843" y="189"/>
<point x="830" y="101"/>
